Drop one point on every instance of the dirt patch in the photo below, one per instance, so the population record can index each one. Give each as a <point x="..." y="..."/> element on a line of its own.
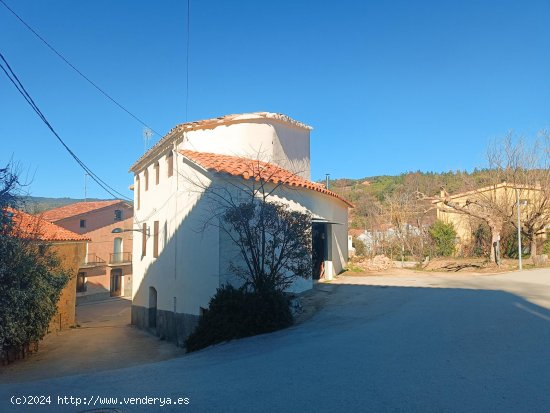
<point x="478" y="265"/>
<point x="380" y="265"/>
<point x="312" y="301"/>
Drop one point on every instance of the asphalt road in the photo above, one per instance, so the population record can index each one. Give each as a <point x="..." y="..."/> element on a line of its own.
<point x="411" y="343"/>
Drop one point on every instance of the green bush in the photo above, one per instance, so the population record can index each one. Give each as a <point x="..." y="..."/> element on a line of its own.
<point x="443" y="235"/>
<point x="481" y="241"/>
<point x="360" y="247"/>
<point x="31" y="279"/>
<point x="236" y="313"/>
<point x="509" y="242"/>
<point x="546" y="245"/>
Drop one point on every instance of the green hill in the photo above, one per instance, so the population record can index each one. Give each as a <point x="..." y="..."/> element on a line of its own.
<point x="37" y="204"/>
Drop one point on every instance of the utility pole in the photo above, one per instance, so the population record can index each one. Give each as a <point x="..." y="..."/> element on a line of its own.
<point x="85" y="187"/>
<point x="327" y="180"/>
<point x="147" y="134"/>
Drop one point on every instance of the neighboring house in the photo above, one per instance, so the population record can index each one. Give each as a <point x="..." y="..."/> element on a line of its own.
<point x="71" y="250"/>
<point x="498" y="200"/>
<point x="107" y="269"/>
<point x="372" y="239"/>
<point x="180" y="261"/>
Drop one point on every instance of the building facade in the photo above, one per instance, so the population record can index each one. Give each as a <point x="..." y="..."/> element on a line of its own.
<point x="180" y="261"/>
<point x="499" y="204"/>
<point x="107" y="268"/>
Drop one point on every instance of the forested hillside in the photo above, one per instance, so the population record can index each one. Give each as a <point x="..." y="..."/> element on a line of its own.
<point x="36" y="204"/>
<point x="370" y="193"/>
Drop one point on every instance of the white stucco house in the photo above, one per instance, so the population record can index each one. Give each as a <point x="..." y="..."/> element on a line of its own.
<point x="178" y="261"/>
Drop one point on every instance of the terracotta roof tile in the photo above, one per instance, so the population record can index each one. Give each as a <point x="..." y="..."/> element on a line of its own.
<point x="27" y="225"/>
<point x="249" y="168"/>
<point x="77" y="208"/>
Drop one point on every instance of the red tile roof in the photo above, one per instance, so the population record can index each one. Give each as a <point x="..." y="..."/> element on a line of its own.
<point x="27" y="225"/>
<point x="254" y="169"/>
<point x="77" y="208"/>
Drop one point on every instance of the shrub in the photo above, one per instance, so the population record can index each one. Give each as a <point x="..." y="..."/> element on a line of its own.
<point x="546" y="245"/>
<point x="509" y="242"/>
<point x="236" y="313"/>
<point x="30" y="286"/>
<point x="481" y="241"/>
<point x="443" y="236"/>
<point x="360" y="247"/>
<point x="31" y="279"/>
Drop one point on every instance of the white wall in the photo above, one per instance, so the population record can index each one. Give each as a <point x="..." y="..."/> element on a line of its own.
<point x="320" y="205"/>
<point x="187" y="265"/>
<point x="276" y="142"/>
<point x="193" y="262"/>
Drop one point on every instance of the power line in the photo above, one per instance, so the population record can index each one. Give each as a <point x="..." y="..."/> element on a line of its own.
<point x="21" y="89"/>
<point x="187" y="62"/>
<point x="78" y="71"/>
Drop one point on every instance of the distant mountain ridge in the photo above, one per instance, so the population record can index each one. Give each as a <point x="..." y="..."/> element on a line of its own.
<point x="37" y="204"/>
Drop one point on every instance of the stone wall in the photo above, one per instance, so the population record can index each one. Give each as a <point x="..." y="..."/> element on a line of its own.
<point x="174" y="327"/>
<point x="70" y="254"/>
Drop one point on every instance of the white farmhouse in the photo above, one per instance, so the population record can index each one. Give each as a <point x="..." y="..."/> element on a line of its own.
<point x="178" y="261"/>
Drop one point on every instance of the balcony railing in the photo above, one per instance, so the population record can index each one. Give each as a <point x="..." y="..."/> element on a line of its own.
<point x="92" y="260"/>
<point x="120" y="258"/>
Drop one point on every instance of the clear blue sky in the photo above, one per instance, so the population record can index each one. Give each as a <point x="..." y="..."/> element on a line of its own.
<point x="388" y="86"/>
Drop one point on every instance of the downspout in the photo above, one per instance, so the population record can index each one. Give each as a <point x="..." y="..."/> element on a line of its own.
<point x="175" y="157"/>
<point x="176" y="208"/>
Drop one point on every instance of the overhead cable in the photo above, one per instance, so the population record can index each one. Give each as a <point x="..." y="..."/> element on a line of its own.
<point x="77" y="70"/>
<point x="6" y="68"/>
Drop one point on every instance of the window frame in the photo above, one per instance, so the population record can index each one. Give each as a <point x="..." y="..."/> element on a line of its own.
<point x="170" y="164"/>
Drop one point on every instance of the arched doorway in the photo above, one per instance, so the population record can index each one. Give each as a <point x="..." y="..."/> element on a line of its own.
<point x="152" y="307"/>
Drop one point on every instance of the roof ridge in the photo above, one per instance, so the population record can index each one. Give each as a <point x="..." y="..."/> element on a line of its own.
<point x="77" y="208"/>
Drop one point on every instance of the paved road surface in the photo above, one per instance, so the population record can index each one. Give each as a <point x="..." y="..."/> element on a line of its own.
<point x="412" y="343"/>
<point x="104" y="341"/>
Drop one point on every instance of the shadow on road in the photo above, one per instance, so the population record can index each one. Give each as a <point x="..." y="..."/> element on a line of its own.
<point x="369" y="348"/>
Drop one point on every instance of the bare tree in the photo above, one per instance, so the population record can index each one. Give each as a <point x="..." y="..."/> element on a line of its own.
<point x="481" y="205"/>
<point x="407" y="215"/>
<point x="516" y="172"/>
<point x="527" y="169"/>
<point x="273" y="240"/>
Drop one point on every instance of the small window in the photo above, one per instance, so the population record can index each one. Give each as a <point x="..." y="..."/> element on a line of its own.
<point x="82" y="223"/>
<point x="157" y="173"/>
<point x="170" y="164"/>
<point x="81" y="285"/>
<point x="156" y="239"/>
<point x="118" y="214"/>
<point x="146" y="176"/>
<point x="41" y="250"/>
<point x="144" y="240"/>
<point x="138" y="201"/>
